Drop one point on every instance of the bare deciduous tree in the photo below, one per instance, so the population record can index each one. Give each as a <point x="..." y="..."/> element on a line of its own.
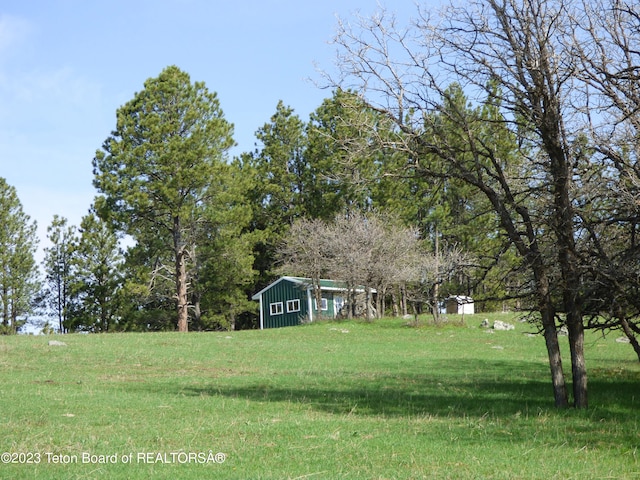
<point x="514" y="54"/>
<point x="362" y="250"/>
<point x="305" y="251"/>
<point x="606" y="42"/>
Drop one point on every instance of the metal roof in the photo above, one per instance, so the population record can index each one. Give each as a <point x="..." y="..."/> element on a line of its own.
<point x="325" y="284"/>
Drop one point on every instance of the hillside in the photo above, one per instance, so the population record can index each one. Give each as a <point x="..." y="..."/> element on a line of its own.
<point x="323" y="401"/>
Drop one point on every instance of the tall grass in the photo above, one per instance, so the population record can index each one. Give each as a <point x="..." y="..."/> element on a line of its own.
<point x="323" y="401"/>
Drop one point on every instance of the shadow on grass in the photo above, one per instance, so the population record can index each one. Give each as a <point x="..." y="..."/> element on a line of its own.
<point x="422" y="398"/>
<point x="462" y="389"/>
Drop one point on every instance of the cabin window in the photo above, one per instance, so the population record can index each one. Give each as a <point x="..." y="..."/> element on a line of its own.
<point x="293" y="305"/>
<point x="324" y="304"/>
<point x="276" y="308"/>
<point x="338" y="304"/>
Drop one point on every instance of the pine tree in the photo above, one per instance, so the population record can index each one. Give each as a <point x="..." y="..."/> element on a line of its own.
<point x="18" y="270"/>
<point x="97" y="280"/>
<point x="155" y="169"/>
<point x="57" y="268"/>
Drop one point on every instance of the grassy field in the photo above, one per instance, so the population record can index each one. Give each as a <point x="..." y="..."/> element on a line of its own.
<point x="344" y="400"/>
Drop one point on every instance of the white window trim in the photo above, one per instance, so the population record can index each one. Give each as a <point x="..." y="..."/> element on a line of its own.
<point x="293" y="305"/>
<point x="338" y="304"/>
<point x="276" y="308"/>
<point x="324" y="304"/>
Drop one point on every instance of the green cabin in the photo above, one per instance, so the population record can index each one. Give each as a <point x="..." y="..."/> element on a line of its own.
<point x="290" y="301"/>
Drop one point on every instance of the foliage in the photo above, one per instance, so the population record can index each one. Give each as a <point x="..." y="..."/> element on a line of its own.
<point x="155" y="170"/>
<point x="313" y="170"/>
<point x="224" y="257"/>
<point x="305" y="252"/>
<point x="518" y="59"/>
<point x="280" y="177"/>
<point x="283" y="170"/>
<point x="58" y="270"/>
<point x="607" y="52"/>
<point x="454" y="215"/>
<point x="97" y="278"/>
<point x="344" y="154"/>
<point x="18" y="270"/>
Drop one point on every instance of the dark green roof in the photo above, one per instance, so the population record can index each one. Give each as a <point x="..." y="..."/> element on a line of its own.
<point x="325" y="284"/>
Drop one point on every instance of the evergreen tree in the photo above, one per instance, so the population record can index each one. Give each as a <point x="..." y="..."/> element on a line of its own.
<point x="97" y="278"/>
<point x="281" y="180"/>
<point x="344" y="155"/>
<point x="155" y="169"/>
<point x="282" y="169"/>
<point x="18" y="270"/>
<point x="57" y="268"/>
<point x="223" y="259"/>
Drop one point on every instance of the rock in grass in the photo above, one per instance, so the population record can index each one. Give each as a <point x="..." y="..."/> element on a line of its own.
<point x="498" y="325"/>
<point x="56" y="343"/>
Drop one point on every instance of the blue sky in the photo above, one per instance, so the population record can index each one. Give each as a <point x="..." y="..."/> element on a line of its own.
<point x="66" y="66"/>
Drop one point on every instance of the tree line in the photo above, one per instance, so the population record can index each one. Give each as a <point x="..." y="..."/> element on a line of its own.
<point x="180" y="236"/>
<point x="501" y="134"/>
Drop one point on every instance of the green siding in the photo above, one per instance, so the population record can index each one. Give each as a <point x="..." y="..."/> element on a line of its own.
<point x="281" y="292"/>
<point x="276" y="312"/>
<point x="330" y="311"/>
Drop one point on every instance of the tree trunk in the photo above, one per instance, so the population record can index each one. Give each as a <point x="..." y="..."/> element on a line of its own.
<point x="104" y="316"/>
<point x="394" y="301"/>
<point x="555" y="359"/>
<point x="5" y="307"/>
<point x="403" y="300"/>
<point x="563" y="224"/>
<point x="181" y="277"/>
<point x="632" y="338"/>
<point x="578" y="364"/>
<point x="317" y="293"/>
<point x="434" y="305"/>
<point x="367" y="303"/>
<point x="435" y="311"/>
<point x="196" y="293"/>
<point x="575" y="324"/>
<point x="59" y="305"/>
<point x="14" y="316"/>
<point x="181" y="292"/>
<point x="351" y="312"/>
<point x="380" y="301"/>
<point x="63" y="316"/>
<point x="197" y="312"/>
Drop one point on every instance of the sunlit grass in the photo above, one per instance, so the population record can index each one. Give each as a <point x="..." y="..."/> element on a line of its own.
<point x="329" y="400"/>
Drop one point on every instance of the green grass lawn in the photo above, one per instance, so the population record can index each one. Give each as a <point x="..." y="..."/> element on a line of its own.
<point x="344" y="400"/>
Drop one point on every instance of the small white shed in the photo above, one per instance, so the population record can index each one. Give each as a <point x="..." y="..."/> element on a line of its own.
<point x="460" y="304"/>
